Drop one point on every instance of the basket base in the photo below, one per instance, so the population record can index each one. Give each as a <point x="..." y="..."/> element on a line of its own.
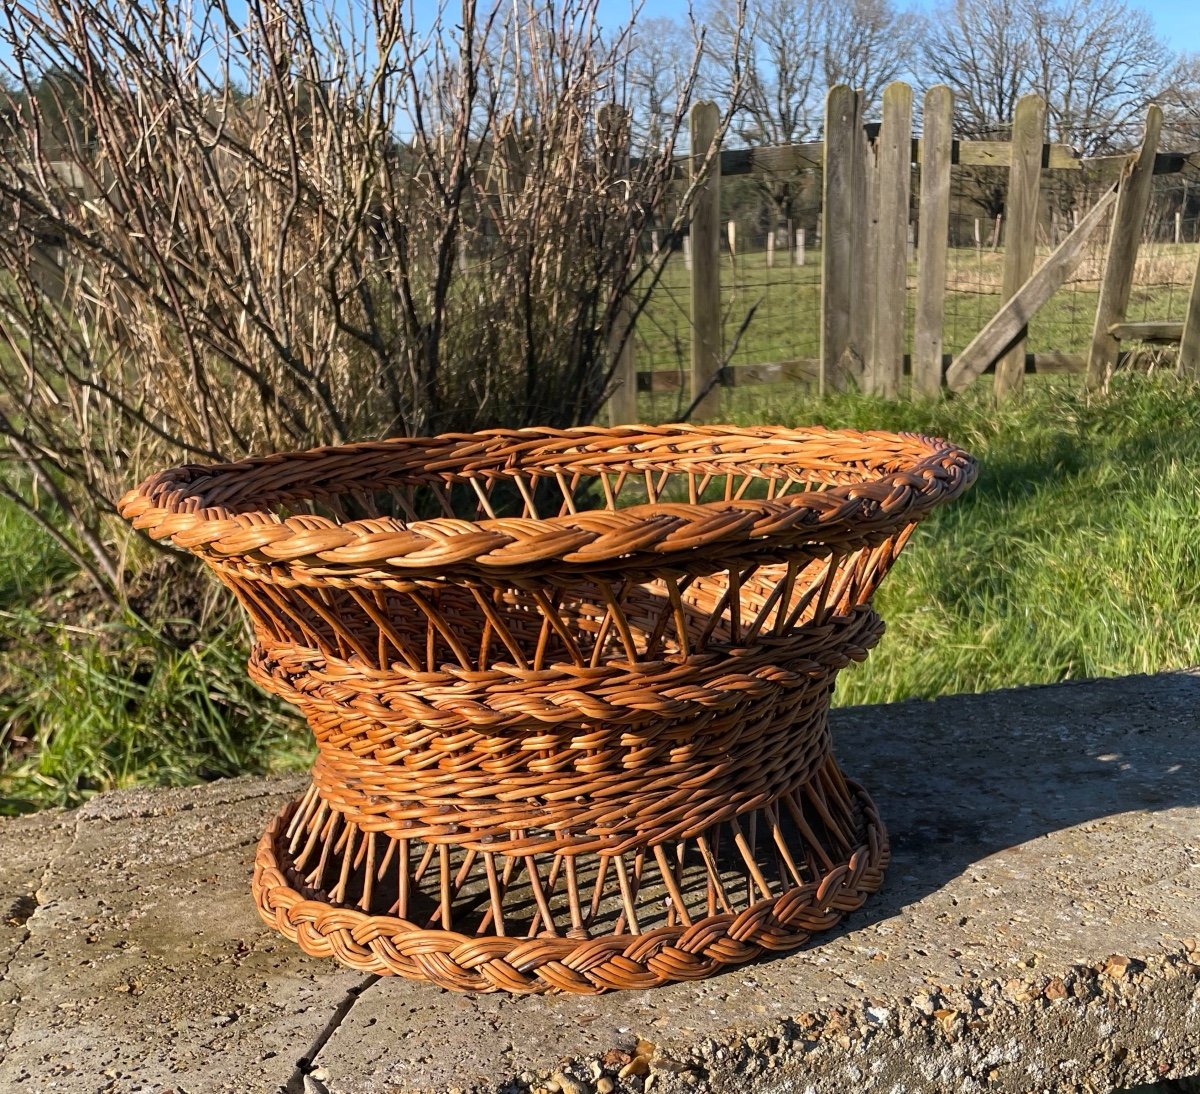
<point x="767" y="881"/>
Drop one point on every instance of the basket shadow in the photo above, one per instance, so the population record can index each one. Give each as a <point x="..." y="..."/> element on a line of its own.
<point x="966" y="777"/>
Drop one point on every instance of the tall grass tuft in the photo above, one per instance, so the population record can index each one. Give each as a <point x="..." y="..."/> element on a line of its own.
<point x="90" y="704"/>
<point x="83" y="713"/>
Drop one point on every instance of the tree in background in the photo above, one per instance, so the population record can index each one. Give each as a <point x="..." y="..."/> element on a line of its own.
<point x="661" y="64"/>
<point x="775" y="61"/>
<point x="1181" y="130"/>
<point x="778" y="65"/>
<point x="979" y="48"/>
<point x="783" y="55"/>
<point x="1097" y="63"/>
<point x="1181" y="102"/>
<point x="867" y="44"/>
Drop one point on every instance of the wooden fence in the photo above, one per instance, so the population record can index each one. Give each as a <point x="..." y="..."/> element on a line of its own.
<point x="866" y="228"/>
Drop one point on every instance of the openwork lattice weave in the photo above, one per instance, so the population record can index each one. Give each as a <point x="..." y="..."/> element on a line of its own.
<point x="569" y="688"/>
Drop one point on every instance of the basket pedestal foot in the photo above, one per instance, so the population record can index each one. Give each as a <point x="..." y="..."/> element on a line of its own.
<point x="471" y="917"/>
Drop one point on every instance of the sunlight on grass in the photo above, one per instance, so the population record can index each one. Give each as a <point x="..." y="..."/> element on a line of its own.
<point x="1077" y="552"/>
<point x="88" y="706"/>
<point x="787" y="305"/>
<point x="81" y="713"/>
<point x="29" y="558"/>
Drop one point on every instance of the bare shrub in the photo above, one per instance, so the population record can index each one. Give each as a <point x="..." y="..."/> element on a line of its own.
<point x="232" y="233"/>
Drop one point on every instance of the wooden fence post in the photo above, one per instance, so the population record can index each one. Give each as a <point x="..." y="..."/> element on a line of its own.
<point x="706" y="260"/>
<point x="933" y="240"/>
<point x="1189" y="345"/>
<point x="1020" y="224"/>
<point x="894" y="186"/>
<point x="864" y="249"/>
<point x="612" y="125"/>
<point x="837" y="229"/>
<point x="1133" y="197"/>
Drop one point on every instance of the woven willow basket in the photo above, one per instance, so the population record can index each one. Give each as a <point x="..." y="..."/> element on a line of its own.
<point x="569" y="688"/>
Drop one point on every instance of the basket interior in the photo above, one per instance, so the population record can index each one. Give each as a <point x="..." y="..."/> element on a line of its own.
<point x="475" y="477"/>
<point x="724" y="594"/>
<point x="429" y="627"/>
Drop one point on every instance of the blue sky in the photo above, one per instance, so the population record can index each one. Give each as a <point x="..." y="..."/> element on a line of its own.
<point x="1177" y="21"/>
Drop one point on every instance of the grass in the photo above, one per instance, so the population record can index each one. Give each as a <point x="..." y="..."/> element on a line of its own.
<point x="88" y="703"/>
<point x="94" y="715"/>
<point x="29" y="558"/>
<point x="1076" y="554"/>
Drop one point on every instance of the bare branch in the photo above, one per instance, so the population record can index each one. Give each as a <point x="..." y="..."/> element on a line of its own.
<point x="290" y="222"/>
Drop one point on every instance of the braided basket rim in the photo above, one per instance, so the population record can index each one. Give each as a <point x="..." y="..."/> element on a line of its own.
<point x="191" y="505"/>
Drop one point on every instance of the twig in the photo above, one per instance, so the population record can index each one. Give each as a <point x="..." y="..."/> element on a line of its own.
<point x="721" y="373"/>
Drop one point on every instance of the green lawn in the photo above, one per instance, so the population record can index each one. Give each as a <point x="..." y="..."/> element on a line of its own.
<point x="89" y="702"/>
<point x="1077" y="553"/>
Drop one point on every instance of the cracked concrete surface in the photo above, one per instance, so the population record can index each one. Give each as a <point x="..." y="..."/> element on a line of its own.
<point x="1036" y="932"/>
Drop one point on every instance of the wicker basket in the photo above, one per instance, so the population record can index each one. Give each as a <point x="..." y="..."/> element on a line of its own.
<point x="583" y="745"/>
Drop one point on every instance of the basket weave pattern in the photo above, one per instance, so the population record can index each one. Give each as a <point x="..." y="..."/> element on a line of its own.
<point x="569" y="688"/>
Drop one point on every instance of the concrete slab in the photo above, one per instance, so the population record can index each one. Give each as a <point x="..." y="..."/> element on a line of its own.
<point x="144" y="964"/>
<point x="1037" y="932"/>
